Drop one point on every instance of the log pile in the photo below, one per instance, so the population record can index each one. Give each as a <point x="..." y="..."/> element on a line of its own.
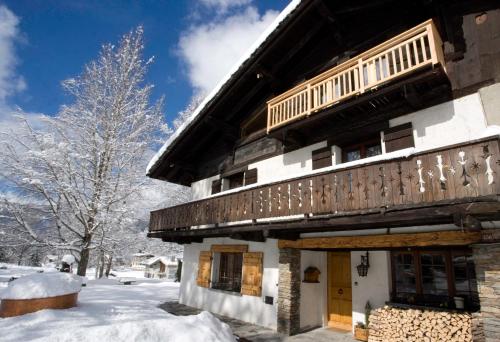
<point x="389" y="324"/>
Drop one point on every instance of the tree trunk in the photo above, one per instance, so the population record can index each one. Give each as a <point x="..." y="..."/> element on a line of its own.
<point x="84" y="256"/>
<point x="96" y="273"/>
<point x="101" y="265"/>
<point x="108" y="266"/>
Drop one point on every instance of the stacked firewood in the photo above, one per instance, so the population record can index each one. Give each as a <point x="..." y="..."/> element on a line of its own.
<point x="389" y="324"/>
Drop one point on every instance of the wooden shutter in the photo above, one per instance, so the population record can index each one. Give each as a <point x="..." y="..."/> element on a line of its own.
<point x="251" y="278"/>
<point x="250" y="176"/>
<point x="204" y="269"/>
<point x="322" y="158"/>
<point x="399" y="137"/>
<point x="216" y="186"/>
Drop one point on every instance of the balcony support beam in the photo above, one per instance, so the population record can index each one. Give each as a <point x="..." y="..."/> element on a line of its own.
<point x="482" y="209"/>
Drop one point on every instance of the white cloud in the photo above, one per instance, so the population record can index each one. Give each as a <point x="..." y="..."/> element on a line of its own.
<point x="10" y="82"/>
<point x="223" y="5"/>
<point x="210" y="50"/>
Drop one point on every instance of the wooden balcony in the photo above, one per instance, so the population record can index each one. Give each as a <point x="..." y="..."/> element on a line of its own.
<point x="455" y="174"/>
<point x="407" y="53"/>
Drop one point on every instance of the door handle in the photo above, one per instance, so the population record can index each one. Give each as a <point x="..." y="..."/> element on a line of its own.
<point x="340" y="291"/>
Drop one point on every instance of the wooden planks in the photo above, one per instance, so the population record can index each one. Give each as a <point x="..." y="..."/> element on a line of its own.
<point x="229" y="248"/>
<point x="398" y="56"/>
<point x="444" y="238"/>
<point x="459" y="172"/>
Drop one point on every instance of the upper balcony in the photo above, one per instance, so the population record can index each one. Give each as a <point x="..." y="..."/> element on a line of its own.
<point x="404" y="55"/>
<point x="433" y="187"/>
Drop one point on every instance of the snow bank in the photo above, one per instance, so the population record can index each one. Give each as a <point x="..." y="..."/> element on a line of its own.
<point x="42" y="285"/>
<point x="203" y="327"/>
<point x="110" y="312"/>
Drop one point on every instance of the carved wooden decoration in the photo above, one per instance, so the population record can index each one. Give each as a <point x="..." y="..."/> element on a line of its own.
<point x="452" y="173"/>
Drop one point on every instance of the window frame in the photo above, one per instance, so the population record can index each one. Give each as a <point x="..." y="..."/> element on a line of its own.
<point x="362" y="147"/>
<point x="420" y="296"/>
<point x="229" y="270"/>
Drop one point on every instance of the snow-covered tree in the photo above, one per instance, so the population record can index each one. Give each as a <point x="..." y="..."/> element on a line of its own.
<point x="186" y="113"/>
<point x="87" y="163"/>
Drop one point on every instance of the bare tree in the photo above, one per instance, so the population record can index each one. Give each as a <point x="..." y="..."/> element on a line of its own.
<point x="87" y="164"/>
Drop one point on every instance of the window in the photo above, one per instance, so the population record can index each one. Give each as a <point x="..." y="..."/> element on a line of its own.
<point x="239" y="179"/>
<point x="399" y="137"/>
<point x="366" y="149"/>
<point x="229" y="272"/>
<point x="434" y="277"/>
<point x="216" y="186"/>
<point x="236" y="180"/>
<point x="231" y="268"/>
<point x="321" y="158"/>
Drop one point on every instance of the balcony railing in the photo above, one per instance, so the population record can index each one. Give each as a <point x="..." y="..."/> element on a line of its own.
<point x="452" y="173"/>
<point x="408" y="52"/>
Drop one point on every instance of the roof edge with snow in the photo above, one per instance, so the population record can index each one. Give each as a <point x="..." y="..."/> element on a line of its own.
<point x="257" y="45"/>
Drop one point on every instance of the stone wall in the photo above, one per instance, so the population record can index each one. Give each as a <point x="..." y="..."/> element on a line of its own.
<point x="396" y="324"/>
<point x="289" y="291"/>
<point x="487" y="262"/>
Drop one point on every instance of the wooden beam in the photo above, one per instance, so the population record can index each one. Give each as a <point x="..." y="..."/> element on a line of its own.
<point x="445" y="238"/>
<point x="404" y="216"/>
<point x="229" y="248"/>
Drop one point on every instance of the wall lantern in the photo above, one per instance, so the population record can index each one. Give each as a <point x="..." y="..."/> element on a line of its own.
<point x="363" y="267"/>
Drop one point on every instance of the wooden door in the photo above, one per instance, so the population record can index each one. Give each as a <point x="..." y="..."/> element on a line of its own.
<point x="339" y="290"/>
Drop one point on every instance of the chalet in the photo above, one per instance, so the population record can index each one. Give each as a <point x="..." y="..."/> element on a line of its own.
<point x="138" y="260"/>
<point x="351" y="156"/>
<point x="160" y="267"/>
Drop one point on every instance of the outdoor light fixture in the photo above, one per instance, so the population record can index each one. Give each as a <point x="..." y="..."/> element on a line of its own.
<point x="363" y="267"/>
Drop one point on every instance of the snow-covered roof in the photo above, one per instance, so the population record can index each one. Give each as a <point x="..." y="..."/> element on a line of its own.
<point x="69" y="259"/>
<point x="204" y="104"/>
<point x="142" y="254"/>
<point x="165" y="260"/>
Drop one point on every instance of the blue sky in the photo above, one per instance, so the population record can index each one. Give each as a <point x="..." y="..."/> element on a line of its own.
<point x="194" y="42"/>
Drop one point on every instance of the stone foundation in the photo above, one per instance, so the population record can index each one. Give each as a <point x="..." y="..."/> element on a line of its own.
<point x="487" y="263"/>
<point x="289" y="291"/>
<point x="396" y="324"/>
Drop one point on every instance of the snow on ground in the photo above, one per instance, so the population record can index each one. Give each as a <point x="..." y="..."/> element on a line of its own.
<point x="108" y="311"/>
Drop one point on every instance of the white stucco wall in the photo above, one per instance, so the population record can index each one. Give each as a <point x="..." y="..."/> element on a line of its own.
<point x="285" y="165"/>
<point x="448" y="123"/>
<point x="202" y="188"/>
<point x="313" y="296"/>
<point x="375" y="287"/>
<point x="246" y="308"/>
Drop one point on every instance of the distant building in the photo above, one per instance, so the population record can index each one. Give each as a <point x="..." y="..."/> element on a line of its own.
<point x="138" y="259"/>
<point x="160" y="267"/>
